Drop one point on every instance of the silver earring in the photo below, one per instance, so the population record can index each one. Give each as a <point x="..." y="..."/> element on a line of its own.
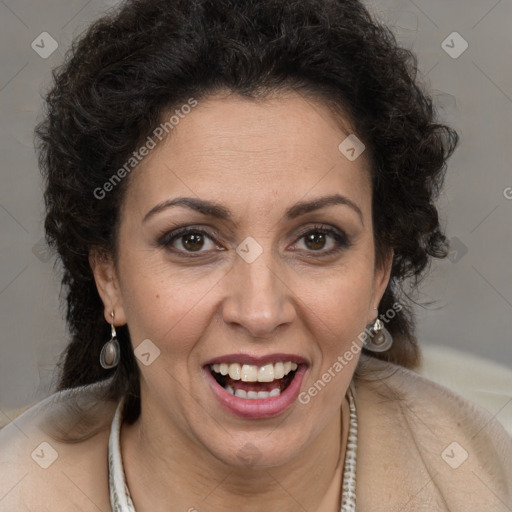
<point x="111" y="351"/>
<point x="378" y="338"/>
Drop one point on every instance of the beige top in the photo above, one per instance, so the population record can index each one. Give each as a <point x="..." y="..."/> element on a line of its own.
<point x="421" y="448"/>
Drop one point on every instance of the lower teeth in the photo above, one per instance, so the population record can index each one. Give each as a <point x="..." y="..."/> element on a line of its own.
<point x="253" y="395"/>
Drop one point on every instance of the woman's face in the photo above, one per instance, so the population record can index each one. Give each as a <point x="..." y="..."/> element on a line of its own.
<point x="262" y="276"/>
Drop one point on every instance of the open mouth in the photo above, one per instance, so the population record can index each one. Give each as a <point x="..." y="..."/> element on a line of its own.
<point x="253" y="382"/>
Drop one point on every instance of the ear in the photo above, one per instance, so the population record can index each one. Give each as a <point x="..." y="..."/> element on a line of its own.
<point x="107" y="283"/>
<point x="380" y="282"/>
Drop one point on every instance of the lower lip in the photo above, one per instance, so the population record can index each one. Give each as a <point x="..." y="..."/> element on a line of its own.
<point x="257" y="408"/>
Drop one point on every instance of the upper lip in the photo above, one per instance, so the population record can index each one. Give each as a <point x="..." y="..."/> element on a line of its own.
<point x="256" y="360"/>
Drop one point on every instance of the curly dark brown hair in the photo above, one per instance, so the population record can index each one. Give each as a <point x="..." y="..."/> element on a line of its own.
<point x="147" y="57"/>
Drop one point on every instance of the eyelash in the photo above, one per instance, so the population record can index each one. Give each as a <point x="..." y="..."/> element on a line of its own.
<point x="341" y="239"/>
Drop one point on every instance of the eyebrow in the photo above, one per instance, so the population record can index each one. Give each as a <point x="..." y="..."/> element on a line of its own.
<point x="221" y="212"/>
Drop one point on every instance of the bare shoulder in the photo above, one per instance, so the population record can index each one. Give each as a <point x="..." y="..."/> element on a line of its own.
<point x="54" y="456"/>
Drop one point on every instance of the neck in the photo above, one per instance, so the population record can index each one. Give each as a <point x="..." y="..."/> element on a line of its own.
<point x="163" y="467"/>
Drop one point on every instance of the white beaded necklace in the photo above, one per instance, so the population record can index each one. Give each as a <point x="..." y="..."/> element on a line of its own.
<point x="120" y="495"/>
<point x="348" y="495"/>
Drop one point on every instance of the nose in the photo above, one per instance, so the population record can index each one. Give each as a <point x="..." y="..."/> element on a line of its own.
<point x="259" y="299"/>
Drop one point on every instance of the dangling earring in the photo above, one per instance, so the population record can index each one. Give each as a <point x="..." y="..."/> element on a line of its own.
<point x="378" y="338"/>
<point x="111" y="351"/>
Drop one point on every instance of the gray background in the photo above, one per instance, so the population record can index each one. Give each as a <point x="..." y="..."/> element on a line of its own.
<point x="471" y="291"/>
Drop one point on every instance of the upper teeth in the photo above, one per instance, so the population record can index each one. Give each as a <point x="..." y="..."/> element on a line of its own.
<point x="252" y="373"/>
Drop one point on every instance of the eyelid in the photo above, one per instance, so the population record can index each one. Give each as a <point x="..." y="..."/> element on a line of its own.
<point x="168" y="237"/>
<point x="342" y="240"/>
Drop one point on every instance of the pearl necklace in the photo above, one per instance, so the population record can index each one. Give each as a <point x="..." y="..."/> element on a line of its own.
<point x="121" y="501"/>
<point x="348" y="495"/>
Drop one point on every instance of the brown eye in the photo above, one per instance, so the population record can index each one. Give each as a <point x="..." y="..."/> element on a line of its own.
<point x="316" y="240"/>
<point x="188" y="240"/>
<point x="192" y="241"/>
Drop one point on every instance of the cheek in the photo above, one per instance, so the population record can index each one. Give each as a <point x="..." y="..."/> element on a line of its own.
<point x="168" y="307"/>
<point x="337" y="303"/>
<point x="336" y="300"/>
<point x="345" y="309"/>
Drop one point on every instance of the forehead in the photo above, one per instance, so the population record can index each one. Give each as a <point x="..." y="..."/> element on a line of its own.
<point x="233" y="150"/>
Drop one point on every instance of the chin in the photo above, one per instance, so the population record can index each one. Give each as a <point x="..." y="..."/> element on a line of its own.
<point x="256" y="453"/>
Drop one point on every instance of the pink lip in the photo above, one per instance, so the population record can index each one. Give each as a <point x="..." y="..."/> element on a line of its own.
<point x="257" y="361"/>
<point x="259" y="408"/>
